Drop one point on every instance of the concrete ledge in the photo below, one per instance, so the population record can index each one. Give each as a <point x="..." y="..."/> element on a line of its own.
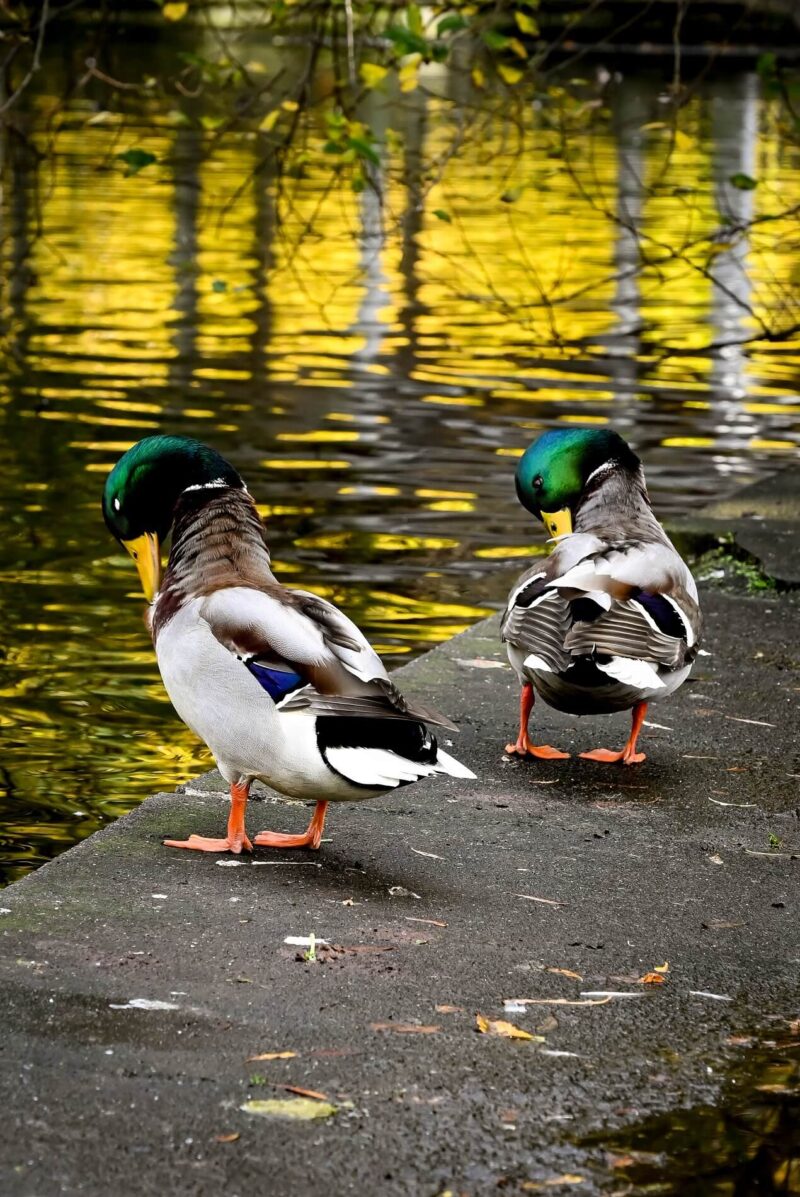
<point x="689" y="858"/>
<point x="759" y="523"/>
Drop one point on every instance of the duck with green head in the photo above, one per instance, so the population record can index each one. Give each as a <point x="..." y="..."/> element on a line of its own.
<point x="610" y="621"/>
<point x="279" y="683"/>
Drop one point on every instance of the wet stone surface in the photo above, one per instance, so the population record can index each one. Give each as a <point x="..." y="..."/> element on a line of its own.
<point x="138" y="982"/>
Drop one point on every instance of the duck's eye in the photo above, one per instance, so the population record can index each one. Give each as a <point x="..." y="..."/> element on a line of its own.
<point x="538" y="482"/>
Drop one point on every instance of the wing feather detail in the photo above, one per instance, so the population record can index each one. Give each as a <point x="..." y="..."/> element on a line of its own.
<point x="541" y="628"/>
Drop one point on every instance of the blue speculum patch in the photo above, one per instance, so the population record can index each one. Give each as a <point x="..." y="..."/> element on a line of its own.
<point x="277" y="682"/>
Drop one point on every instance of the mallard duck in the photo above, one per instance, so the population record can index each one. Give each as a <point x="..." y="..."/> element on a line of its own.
<point x="279" y="684"/>
<point x="610" y="621"/>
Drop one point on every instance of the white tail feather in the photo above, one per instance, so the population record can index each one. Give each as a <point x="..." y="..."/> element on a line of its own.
<point x="632" y="672"/>
<point x="445" y="763"/>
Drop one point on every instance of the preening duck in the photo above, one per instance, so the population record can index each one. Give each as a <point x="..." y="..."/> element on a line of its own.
<point x="610" y="621"/>
<point x="279" y="683"/>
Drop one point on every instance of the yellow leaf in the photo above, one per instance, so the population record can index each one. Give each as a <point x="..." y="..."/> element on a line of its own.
<point x="290" y="105"/>
<point x="174" y="11"/>
<point x="662" y="968"/>
<point x="298" y="1108"/>
<point x="526" y="23"/>
<point x="270" y="120"/>
<point x="478" y="77"/>
<point x="372" y="74"/>
<point x="407" y="74"/>
<point x="506" y="1030"/>
<point x="652" y="125"/>
<point x="682" y="140"/>
<point x="509" y="74"/>
<point x="516" y="45"/>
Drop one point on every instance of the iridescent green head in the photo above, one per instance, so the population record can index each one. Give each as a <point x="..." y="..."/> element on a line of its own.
<point x="554" y="470"/>
<point x="142" y="489"/>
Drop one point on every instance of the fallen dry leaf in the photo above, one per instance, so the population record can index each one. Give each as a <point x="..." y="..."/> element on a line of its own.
<point x="620" y="1161"/>
<point x="552" y="1182"/>
<point x="404" y="1028"/>
<point x="296" y="1108"/>
<point x="431" y="922"/>
<point x="565" y="972"/>
<point x="227" y="1138"/>
<point x="661" y="968"/>
<point x="506" y="1030"/>
<point x="449" y="1009"/>
<point x="312" y="1093"/>
<point x="272" y="1056"/>
<point x="651" y="979"/>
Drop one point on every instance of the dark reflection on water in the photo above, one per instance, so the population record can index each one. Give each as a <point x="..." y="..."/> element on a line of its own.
<point x="374" y="390"/>
<point x="747" y="1144"/>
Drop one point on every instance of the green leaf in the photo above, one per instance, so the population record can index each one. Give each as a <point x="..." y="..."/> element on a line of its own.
<point x="494" y="40"/>
<point x="364" y="150"/>
<point x="414" y="19"/>
<point x="452" y="24"/>
<point x="406" y="41"/>
<point x="219" y="285"/>
<point x="440" y="214"/>
<point x="743" y="182"/>
<point x="766" y="66"/>
<point x="136" y="160"/>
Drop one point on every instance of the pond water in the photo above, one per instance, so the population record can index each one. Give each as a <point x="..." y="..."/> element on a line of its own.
<point x="373" y="373"/>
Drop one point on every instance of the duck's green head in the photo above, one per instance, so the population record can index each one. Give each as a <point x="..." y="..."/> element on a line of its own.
<point x="142" y="489"/>
<point x="554" y="470"/>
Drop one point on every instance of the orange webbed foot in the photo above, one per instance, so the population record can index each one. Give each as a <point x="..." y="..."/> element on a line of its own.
<point x="311" y="837"/>
<point x="278" y="839"/>
<point x="201" y="843"/>
<point x="542" y="752"/>
<point x="608" y="757"/>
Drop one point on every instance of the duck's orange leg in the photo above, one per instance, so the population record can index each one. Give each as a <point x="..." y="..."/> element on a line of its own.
<point x="311" y="837"/>
<point x="234" y="841"/>
<point x="523" y="746"/>
<point x="628" y="755"/>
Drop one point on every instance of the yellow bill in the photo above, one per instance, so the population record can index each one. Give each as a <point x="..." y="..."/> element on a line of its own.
<point x="146" y="552"/>
<point x="558" y="523"/>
